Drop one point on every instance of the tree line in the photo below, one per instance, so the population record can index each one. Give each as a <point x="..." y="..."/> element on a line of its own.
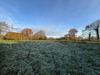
<point x="25" y="34"/>
<point x="28" y="34"/>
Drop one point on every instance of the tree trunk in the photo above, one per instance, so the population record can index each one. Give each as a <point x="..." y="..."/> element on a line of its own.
<point x="97" y="32"/>
<point x="0" y="33"/>
<point x="89" y="36"/>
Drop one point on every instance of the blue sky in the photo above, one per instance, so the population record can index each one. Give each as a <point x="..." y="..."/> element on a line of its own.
<point x="55" y="17"/>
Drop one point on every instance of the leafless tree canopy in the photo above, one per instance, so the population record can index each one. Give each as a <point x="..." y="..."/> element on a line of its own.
<point x="3" y="27"/>
<point x="93" y="27"/>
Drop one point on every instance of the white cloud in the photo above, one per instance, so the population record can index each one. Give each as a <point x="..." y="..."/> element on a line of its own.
<point x="52" y="30"/>
<point x="6" y="16"/>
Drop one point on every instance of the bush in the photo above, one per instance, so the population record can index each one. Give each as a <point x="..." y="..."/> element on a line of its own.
<point x="42" y="37"/>
<point x="1" y="37"/>
<point x="15" y="36"/>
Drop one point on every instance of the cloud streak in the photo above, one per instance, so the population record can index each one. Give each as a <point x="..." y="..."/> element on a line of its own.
<point x="52" y="30"/>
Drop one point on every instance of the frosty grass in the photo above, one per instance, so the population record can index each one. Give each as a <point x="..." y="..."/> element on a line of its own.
<point x="51" y="58"/>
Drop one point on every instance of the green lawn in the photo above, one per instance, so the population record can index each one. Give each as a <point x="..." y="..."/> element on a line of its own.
<point x="8" y="41"/>
<point x="17" y="41"/>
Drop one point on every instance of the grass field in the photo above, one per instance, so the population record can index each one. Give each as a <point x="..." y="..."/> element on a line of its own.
<point x="8" y="41"/>
<point x="17" y="41"/>
<point x="49" y="58"/>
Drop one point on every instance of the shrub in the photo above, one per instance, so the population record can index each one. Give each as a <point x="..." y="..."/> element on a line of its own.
<point x="15" y="36"/>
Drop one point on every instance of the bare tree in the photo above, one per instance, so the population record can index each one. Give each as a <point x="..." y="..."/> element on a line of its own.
<point x="93" y="27"/>
<point x="3" y="27"/>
